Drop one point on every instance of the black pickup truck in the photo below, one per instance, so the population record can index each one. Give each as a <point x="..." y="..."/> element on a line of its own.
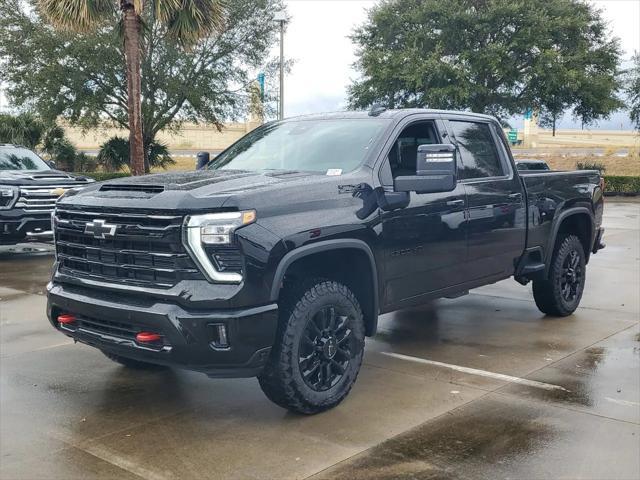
<point x="29" y="188"/>
<point x="276" y="259"/>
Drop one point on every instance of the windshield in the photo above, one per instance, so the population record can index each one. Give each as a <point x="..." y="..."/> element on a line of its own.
<point x="20" y="158"/>
<point x="333" y="146"/>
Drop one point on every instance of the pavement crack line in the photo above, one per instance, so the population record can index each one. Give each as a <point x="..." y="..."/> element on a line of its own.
<point x="626" y="403"/>
<point x="475" y="371"/>
<point x="122" y="463"/>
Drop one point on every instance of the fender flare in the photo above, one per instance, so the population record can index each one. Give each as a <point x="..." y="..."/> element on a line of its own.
<point x="324" y="246"/>
<point x="556" y="228"/>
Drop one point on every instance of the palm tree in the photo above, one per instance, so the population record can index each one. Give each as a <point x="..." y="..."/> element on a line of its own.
<point x="186" y="21"/>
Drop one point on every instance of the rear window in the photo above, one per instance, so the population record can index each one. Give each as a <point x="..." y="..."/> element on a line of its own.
<point x="478" y="150"/>
<point x="20" y="158"/>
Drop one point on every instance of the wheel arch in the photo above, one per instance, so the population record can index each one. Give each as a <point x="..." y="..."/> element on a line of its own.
<point x="578" y="220"/>
<point x="322" y="257"/>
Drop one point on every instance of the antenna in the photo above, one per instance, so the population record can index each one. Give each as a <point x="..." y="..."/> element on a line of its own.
<point x="377" y="109"/>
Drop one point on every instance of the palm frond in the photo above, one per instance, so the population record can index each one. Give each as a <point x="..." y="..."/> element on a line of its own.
<point x="190" y="20"/>
<point x="75" y="15"/>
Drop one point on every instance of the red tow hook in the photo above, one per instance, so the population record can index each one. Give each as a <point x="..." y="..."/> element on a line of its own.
<point x="66" y="319"/>
<point x="148" y="337"/>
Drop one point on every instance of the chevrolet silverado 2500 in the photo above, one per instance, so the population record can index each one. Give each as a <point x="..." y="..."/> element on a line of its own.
<point x="277" y="257"/>
<point x="29" y="188"/>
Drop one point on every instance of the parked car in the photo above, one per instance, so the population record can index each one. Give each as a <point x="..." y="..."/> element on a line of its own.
<point x="532" y="165"/>
<point x="276" y="259"/>
<point x="29" y="188"/>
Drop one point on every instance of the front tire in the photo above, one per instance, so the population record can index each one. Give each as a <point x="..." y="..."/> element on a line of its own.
<point x="318" y="350"/>
<point x="559" y="294"/>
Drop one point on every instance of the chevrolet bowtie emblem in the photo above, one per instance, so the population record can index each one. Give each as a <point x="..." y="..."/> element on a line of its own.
<point x="100" y="229"/>
<point x="57" y="191"/>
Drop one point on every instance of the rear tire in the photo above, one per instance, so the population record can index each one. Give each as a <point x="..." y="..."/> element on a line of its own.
<point x="559" y="294"/>
<point x="133" y="364"/>
<point x="318" y="349"/>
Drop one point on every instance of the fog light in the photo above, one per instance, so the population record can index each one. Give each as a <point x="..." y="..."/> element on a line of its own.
<point x="66" y="319"/>
<point x="219" y="337"/>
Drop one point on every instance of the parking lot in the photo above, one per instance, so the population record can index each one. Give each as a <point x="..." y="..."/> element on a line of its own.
<point x="483" y="386"/>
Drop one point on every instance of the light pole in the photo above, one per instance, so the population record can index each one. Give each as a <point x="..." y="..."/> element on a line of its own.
<point x="281" y="17"/>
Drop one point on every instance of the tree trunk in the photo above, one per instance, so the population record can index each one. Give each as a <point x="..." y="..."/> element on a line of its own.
<point x="132" y="57"/>
<point x="553" y="133"/>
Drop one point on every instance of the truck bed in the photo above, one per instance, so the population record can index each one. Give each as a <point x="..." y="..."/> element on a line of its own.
<point x="550" y="192"/>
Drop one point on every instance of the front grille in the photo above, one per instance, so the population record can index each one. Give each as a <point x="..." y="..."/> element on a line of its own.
<point x="106" y="327"/>
<point x="143" y="249"/>
<point x="41" y="198"/>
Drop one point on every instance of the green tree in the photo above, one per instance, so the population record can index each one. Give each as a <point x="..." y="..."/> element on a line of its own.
<point x="81" y="76"/>
<point x="114" y="153"/>
<point x="186" y="21"/>
<point x="23" y="129"/>
<point x="491" y="56"/>
<point x="632" y="89"/>
<point x="48" y="137"/>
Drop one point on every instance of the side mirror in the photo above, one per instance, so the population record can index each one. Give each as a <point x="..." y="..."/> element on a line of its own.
<point x="51" y="163"/>
<point x="201" y="160"/>
<point x="435" y="171"/>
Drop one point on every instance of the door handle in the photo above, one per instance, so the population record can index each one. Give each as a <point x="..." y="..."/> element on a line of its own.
<point x="515" y="196"/>
<point x="455" y="203"/>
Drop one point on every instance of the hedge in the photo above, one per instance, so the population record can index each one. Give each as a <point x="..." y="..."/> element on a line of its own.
<point x="618" y="184"/>
<point x="614" y="184"/>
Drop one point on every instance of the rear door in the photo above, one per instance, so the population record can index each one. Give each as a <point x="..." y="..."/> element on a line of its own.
<point x="496" y="229"/>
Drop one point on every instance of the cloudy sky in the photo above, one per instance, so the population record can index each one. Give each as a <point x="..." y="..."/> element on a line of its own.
<point x="317" y="38"/>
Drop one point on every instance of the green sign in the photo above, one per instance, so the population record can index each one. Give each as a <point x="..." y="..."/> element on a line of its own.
<point x="513" y="136"/>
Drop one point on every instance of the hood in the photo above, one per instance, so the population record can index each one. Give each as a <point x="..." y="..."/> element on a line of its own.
<point x="194" y="190"/>
<point x="44" y="177"/>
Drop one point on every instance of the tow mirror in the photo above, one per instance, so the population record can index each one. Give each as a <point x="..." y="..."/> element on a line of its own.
<point x="201" y="160"/>
<point x="435" y="171"/>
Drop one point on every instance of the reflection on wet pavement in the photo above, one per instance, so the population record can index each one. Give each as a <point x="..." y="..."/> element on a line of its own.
<point x="502" y="437"/>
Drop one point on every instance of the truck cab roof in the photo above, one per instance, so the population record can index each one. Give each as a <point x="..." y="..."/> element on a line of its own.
<point x="390" y="113"/>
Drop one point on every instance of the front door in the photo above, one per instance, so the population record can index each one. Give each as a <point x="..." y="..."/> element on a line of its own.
<point x="424" y="243"/>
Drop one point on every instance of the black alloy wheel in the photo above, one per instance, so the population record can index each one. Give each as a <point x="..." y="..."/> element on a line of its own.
<point x="325" y="348"/>
<point x="571" y="279"/>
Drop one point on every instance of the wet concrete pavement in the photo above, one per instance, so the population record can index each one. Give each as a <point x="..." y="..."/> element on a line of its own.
<point x="482" y="386"/>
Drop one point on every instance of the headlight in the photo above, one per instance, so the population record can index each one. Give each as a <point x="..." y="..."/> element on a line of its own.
<point x="8" y="196"/>
<point x="210" y="230"/>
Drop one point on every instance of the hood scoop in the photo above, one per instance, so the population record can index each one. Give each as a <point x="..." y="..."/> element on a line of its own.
<point x="49" y="176"/>
<point x="129" y="187"/>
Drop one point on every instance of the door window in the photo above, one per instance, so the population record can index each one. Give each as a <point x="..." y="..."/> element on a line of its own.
<point x="477" y="148"/>
<point x="403" y="154"/>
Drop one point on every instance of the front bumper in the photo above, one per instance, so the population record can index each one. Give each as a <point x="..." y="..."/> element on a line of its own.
<point x="188" y="335"/>
<point x="18" y="225"/>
